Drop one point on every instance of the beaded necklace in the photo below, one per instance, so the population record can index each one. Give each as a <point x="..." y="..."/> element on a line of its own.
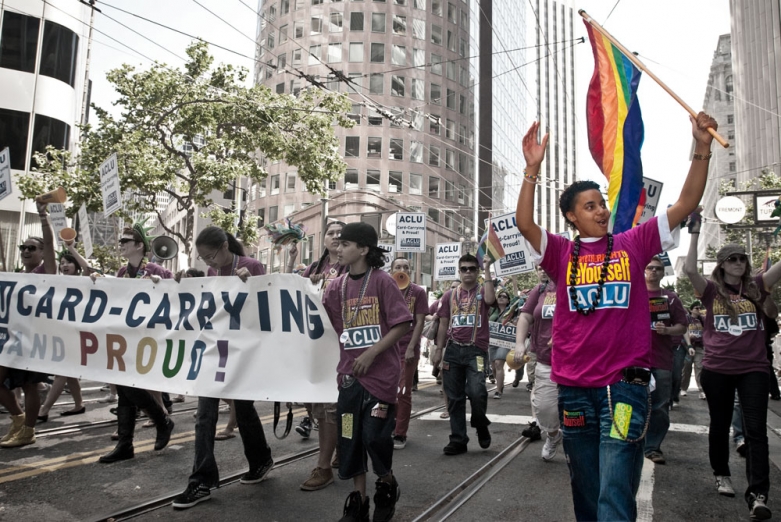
<point x="573" y="277"/>
<point x="140" y="271"/>
<point x="346" y="308"/>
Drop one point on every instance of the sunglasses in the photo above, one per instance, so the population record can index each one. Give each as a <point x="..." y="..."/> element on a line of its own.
<point x="737" y="258"/>
<point x="125" y="240"/>
<point x="465" y="269"/>
<point x="27" y="248"/>
<point x="655" y="268"/>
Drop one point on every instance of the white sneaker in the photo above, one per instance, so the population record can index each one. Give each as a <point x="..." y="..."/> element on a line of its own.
<point x="759" y="510"/>
<point x="702" y="395"/>
<point x="108" y="399"/>
<point x="497" y="395"/>
<point x="683" y="393"/>
<point x="724" y="486"/>
<point x="551" y="444"/>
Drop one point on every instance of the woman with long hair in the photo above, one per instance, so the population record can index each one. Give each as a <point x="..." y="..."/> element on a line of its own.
<point x="735" y="359"/>
<point x="225" y="257"/>
<point x="603" y="370"/>
<point x="497" y="355"/>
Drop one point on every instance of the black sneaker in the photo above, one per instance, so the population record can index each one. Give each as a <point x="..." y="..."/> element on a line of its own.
<point x="164" y="434"/>
<point x="454" y="448"/>
<point x="532" y="431"/>
<point x="385" y="497"/>
<point x="529" y="387"/>
<point x="483" y="437"/>
<point x="194" y="494"/>
<point x="305" y="428"/>
<point x="758" y="508"/>
<point x="254" y="476"/>
<point x="354" y="509"/>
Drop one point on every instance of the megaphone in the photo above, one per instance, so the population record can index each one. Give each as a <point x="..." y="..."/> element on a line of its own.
<point x="164" y="248"/>
<point x="57" y="195"/>
<point x="68" y="235"/>
<point x="402" y="279"/>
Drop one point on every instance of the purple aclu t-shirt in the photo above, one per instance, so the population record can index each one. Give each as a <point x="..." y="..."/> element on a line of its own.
<point x="541" y="305"/>
<point x="590" y="351"/>
<point x="417" y="301"/>
<point x="665" y="306"/>
<point x="463" y="306"/>
<point x="362" y="325"/>
<point x="253" y="265"/>
<point x="734" y="348"/>
<point x="149" y="270"/>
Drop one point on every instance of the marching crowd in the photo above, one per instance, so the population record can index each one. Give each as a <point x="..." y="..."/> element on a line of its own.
<point x="600" y="392"/>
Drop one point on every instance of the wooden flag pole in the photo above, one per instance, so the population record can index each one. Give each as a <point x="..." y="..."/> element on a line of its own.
<point x="634" y="59"/>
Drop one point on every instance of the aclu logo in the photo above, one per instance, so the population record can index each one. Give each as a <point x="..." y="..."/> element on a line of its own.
<point x="410" y="242"/>
<point x="111" y="200"/>
<point x="447" y="271"/>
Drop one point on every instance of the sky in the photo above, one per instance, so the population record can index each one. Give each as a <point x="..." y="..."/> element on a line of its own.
<point x="675" y="39"/>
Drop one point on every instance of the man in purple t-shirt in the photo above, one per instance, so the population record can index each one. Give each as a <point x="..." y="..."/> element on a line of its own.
<point x="668" y="319"/>
<point x="465" y="330"/>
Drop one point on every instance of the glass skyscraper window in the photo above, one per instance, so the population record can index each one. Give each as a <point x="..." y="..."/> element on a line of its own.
<point x="59" y="52"/>
<point x="19" y="43"/>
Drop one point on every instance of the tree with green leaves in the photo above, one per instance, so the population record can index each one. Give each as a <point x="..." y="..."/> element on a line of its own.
<point x="188" y="133"/>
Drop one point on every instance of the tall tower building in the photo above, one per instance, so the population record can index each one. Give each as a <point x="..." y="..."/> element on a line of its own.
<point x="504" y="96"/>
<point x="756" y="32"/>
<point x="719" y="103"/>
<point x="555" y="94"/>
<point x="405" y="66"/>
<point x="43" y="55"/>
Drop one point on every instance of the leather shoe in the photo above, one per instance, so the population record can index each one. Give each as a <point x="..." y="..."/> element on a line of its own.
<point x="164" y="434"/>
<point x="483" y="436"/>
<point x="43" y="418"/>
<point x="454" y="448"/>
<point x="121" y="452"/>
<point x="74" y="412"/>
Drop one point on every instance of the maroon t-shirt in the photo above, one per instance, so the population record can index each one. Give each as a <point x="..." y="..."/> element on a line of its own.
<point x="734" y="348"/>
<point x="40" y="269"/>
<point x="149" y="270"/>
<point x="468" y="315"/>
<point x="362" y="325"/>
<point x="541" y="304"/>
<point x="695" y="330"/>
<point x="254" y="266"/>
<point x="665" y="307"/>
<point x="417" y="302"/>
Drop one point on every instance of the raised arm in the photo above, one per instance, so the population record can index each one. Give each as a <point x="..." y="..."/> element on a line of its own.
<point x="694" y="186"/>
<point x="71" y="246"/>
<point x="49" y="245"/>
<point x="533" y="153"/>
<point x="690" y="266"/>
<point x="771" y="277"/>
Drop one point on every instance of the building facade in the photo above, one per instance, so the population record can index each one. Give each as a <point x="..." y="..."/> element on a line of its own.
<point x="719" y="103"/>
<point x="555" y="97"/>
<point x="756" y="52"/>
<point x="43" y="55"/>
<point x="406" y="67"/>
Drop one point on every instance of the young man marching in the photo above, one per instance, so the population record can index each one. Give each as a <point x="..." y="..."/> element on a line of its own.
<point x="465" y="329"/>
<point x="370" y="316"/>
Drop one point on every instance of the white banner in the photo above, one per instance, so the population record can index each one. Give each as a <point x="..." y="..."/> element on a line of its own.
<point x="5" y="173"/>
<point x="390" y="254"/>
<point x="410" y="232"/>
<point x="209" y="337"/>
<point x="84" y="232"/>
<point x="58" y="219"/>
<point x="517" y="258"/>
<point x="653" y="192"/>
<point x="109" y="185"/>
<point x="446" y="261"/>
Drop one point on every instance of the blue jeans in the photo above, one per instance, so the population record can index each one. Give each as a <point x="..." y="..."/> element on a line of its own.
<point x="679" y="358"/>
<point x="255" y="447"/>
<point x="660" y="411"/>
<point x="604" y="468"/>
<point x="752" y="391"/>
<point x="463" y="373"/>
<point x="737" y="422"/>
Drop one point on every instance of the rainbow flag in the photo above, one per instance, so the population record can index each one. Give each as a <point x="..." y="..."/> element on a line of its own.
<point x="490" y="245"/>
<point x="615" y="128"/>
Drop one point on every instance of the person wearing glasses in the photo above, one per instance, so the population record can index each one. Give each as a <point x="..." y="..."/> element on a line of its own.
<point x="497" y="355"/>
<point x="694" y="357"/>
<point x="464" y="335"/>
<point x="225" y="257"/>
<point x="37" y="254"/>
<point x="601" y="355"/>
<point x="134" y="245"/>
<point x="668" y="319"/>
<point x="735" y="360"/>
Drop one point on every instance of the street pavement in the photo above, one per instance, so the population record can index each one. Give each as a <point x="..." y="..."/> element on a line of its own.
<point x="59" y="478"/>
